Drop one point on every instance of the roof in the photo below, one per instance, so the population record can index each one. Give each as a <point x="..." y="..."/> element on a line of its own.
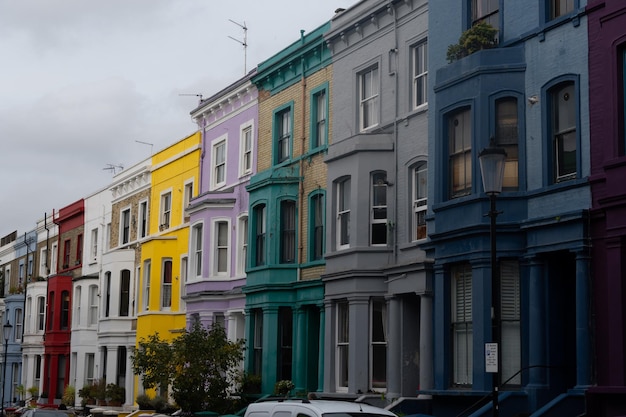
<point x="320" y="407"/>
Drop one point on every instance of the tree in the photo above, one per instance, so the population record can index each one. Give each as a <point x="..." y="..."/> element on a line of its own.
<point x="201" y="365"/>
<point x="153" y="360"/>
<point x="207" y="367"/>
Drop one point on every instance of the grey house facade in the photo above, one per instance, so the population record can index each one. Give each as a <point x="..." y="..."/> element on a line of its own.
<point x="377" y="281"/>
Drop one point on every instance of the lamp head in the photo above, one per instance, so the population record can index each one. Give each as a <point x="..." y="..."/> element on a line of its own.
<point x="492" y="161"/>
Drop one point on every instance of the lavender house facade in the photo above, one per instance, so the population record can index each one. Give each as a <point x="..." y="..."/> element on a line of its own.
<point x="219" y="215"/>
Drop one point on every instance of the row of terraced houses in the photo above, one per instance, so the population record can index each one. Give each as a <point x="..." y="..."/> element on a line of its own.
<point x="330" y="211"/>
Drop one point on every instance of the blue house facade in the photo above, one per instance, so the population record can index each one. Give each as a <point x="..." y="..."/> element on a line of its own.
<point x="529" y="94"/>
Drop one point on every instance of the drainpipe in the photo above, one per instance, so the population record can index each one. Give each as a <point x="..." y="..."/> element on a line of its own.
<point x="301" y="163"/>
<point x="394" y="73"/>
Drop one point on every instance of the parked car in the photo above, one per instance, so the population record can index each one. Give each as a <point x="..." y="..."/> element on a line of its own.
<point x="314" y="408"/>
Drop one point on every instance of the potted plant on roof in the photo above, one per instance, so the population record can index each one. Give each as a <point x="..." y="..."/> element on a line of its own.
<point x="480" y="36"/>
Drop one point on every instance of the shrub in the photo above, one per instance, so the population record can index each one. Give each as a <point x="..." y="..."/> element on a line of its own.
<point x="480" y="36"/>
<point x="69" y="395"/>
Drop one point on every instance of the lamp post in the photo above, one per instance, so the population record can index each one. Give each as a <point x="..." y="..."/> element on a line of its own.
<point x="492" y="161"/>
<point x="6" y="332"/>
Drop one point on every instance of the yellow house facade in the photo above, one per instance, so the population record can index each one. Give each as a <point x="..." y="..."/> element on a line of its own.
<point x="163" y="266"/>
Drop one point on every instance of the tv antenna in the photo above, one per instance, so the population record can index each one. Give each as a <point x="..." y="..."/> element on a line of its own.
<point x="113" y="168"/>
<point x="244" y="43"/>
<point x="146" y="143"/>
<point x="185" y="94"/>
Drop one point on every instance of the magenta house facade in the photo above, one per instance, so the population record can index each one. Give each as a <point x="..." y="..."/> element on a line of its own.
<point x="607" y="117"/>
<point x="219" y="215"/>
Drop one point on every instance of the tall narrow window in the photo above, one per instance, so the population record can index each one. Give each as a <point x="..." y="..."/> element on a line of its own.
<point x="283" y="135"/>
<point x="147" y="272"/>
<point x="420" y="200"/>
<point x="258" y="341"/>
<point x="89" y="368"/>
<point x="76" y="315"/>
<point x="65" y="310"/>
<point x="219" y="163"/>
<point x="166" y="210"/>
<point x="420" y="74"/>
<point x="368" y="98"/>
<point x="196" y="243"/>
<point x="79" y="250"/>
<point x="462" y="338"/>
<point x="66" y="253"/>
<point x="187" y="199"/>
<point x="507" y="139"/>
<point x="51" y="308"/>
<point x="143" y="219"/>
<point x="316" y="214"/>
<point x="288" y="231"/>
<point x="29" y="313"/>
<point x="460" y="151"/>
<point x="107" y="293"/>
<point x="564" y="131"/>
<point x="124" y="292"/>
<point x="41" y="313"/>
<point x="510" y="306"/>
<point x="242" y="249"/>
<point x="94" y="244"/>
<point x="319" y="128"/>
<point x="285" y="340"/>
<point x="378" y="333"/>
<point x="221" y="255"/>
<point x="93" y="305"/>
<point x="120" y="374"/>
<point x="166" y="284"/>
<point x="125" y="227"/>
<point x="245" y="165"/>
<point x="260" y="225"/>
<point x="560" y="7"/>
<point x="343" y="342"/>
<point x="343" y="214"/>
<point x="486" y="11"/>
<point x="19" y="321"/>
<point x="378" y="212"/>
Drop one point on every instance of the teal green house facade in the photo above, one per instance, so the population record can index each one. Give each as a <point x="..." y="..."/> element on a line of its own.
<point x="284" y="291"/>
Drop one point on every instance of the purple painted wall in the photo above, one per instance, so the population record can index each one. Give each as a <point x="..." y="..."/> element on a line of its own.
<point x="607" y="42"/>
<point x="222" y="117"/>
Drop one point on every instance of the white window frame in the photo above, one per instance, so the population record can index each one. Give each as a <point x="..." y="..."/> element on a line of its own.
<point x="342" y="340"/>
<point x="219" y="165"/>
<point x="343" y="213"/>
<point x="43" y="271"/>
<point x="125" y="215"/>
<point x="143" y="223"/>
<point x="419" y="194"/>
<point x="167" y="293"/>
<point x="378" y="181"/>
<point x="196" y="250"/>
<point x="147" y="272"/>
<point x="419" y="59"/>
<point x="93" y="305"/>
<point x="94" y="244"/>
<point x="246" y="148"/>
<point x="217" y="247"/>
<point x="41" y="314"/>
<point x="165" y="211"/>
<point x="369" y="98"/>
<point x="462" y="325"/>
<point x="19" y="323"/>
<point x="53" y="259"/>
<point x="243" y="225"/>
<point x="284" y="133"/>
<point x="77" y="306"/>
<point x="187" y="196"/>
<point x="374" y="344"/>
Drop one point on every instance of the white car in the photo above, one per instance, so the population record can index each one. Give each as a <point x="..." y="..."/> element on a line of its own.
<point x="314" y="408"/>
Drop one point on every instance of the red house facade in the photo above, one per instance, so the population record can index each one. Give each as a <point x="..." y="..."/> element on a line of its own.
<point x="70" y="221"/>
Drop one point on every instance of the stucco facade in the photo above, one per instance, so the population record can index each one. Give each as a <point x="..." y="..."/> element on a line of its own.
<point x="377" y="280"/>
<point x="529" y="94"/>
<point x="218" y="238"/>
<point x="284" y="292"/>
<point x="163" y="267"/>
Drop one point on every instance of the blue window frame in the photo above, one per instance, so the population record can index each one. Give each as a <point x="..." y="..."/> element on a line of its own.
<point x="317" y="222"/>
<point x="259" y="228"/>
<point x="563" y="130"/>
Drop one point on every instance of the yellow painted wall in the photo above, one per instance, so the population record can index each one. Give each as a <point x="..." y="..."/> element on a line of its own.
<point x="172" y="168"/>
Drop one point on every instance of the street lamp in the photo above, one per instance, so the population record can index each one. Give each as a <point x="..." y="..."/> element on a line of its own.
<point x="492" y="161"/>
<point x="6" y="332"/>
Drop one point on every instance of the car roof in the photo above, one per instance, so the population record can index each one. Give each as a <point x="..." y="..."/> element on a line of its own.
<point x="321" y="406"/>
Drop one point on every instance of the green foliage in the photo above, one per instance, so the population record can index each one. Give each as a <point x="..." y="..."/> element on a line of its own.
<point x="115" y="393"/>
<point x="283" y="387"/>
<point x="33" y="391"/>
<point x="69" y="395"/>
<point x="206" y="364"/>
<point x="200" y="365"/>
<point x="480" y="36"/>
<point x="249" y="383"/>
<point x="144" y="401"/>
<point x="153" y="359"/>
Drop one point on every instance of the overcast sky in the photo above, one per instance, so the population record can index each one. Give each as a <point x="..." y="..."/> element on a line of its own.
<point x="81" y="81"/>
